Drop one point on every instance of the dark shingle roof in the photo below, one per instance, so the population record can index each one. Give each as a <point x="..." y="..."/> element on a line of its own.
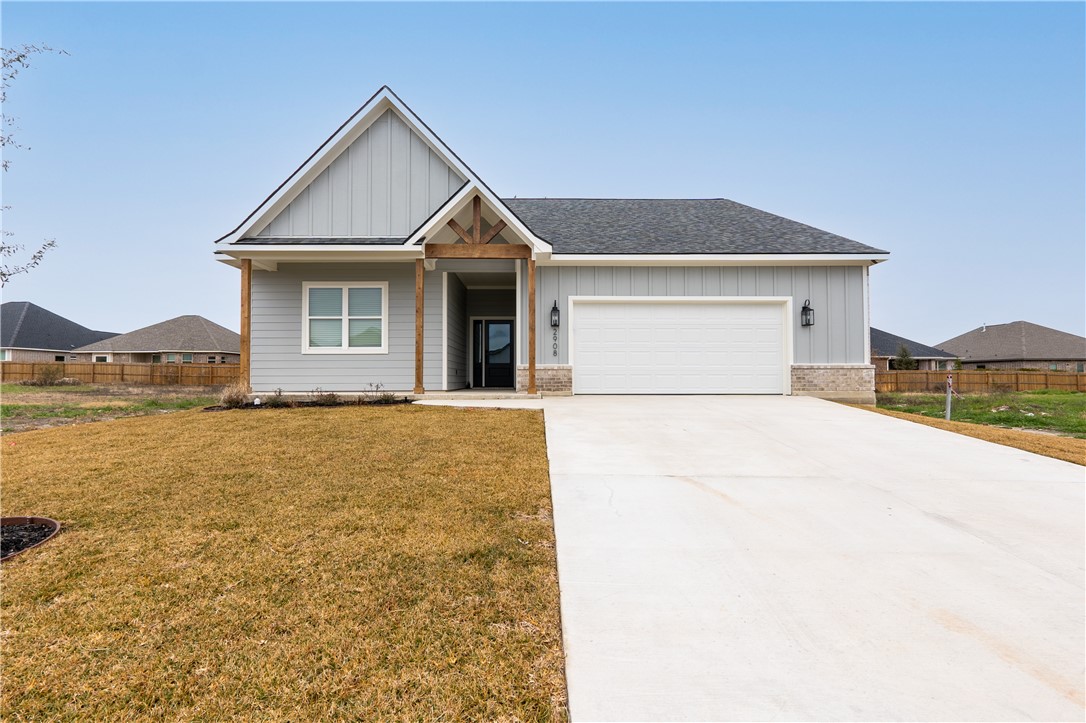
<point x="1016" y="341"/>
<point x="185" y="333"/>
<point x="883" y="343"/>
<point x="24" y="325"/>
<point x="672" y="226"/>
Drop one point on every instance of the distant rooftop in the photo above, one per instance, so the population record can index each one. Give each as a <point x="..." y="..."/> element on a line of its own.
<point x="24" y="325"/>
<point x="182" y="334"/>
<point x="1016" y="341"/>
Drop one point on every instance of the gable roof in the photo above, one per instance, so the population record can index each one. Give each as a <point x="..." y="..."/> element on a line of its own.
<point x="184" y="333"/>
<point x="672" y="226"/>
<point x="1016" y="341"/>
<point x="883" y="343"/>
<point x="24" y="325"/>
<point x="378" y="105"/>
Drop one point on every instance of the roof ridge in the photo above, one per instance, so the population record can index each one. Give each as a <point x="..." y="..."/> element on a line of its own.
<point x="19" y="323"/>
<point x="203" y="323"/>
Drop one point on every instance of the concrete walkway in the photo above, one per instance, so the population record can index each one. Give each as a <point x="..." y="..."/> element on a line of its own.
<point x="786" y="558"/>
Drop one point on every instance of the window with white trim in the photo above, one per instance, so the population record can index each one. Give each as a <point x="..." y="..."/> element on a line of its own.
<point x="171" y="358"/>
<point x="186" y="358"/>
<point x="101" y="358"/>
<point x="345" y="318"/>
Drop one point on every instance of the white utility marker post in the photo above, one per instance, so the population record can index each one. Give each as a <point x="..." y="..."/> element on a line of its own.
<point x="949" y="391"/>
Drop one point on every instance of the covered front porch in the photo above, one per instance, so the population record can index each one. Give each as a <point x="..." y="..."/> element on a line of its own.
<point x="486" y="274"/>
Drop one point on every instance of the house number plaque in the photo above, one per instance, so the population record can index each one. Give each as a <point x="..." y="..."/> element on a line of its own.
<point x="554" y="346"/>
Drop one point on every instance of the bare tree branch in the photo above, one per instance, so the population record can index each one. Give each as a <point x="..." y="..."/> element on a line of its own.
<point x="14" y="61"/>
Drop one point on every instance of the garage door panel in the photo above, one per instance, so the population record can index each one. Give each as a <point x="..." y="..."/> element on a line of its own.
<point x="678" y="348"/>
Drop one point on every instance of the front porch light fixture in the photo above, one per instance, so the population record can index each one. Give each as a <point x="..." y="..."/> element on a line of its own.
<point x="806" y="314"/>
<point x="556" y="316"/>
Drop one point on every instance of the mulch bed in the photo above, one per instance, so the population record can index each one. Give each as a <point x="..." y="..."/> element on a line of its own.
<point x="299" y="403"/>
<point x="16" y="538"/>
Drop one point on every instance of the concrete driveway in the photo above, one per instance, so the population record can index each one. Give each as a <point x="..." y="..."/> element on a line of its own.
<point x="757" y="558"/>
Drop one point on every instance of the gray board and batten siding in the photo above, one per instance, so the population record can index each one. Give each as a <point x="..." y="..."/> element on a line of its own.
<point x="836" y="294"/>
<point x="385" y="184"/>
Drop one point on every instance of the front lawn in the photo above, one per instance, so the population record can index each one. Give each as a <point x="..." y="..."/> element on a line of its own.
<point x="298" y="564"/>
<point x="1050" y="410"/>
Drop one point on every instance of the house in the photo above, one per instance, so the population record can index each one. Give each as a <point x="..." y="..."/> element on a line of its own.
<point x="384" y="259"/>
<point x="185" y="340"/>
<point x="1018" y="345"/>
<point x="886" y="346"/>
<point x="29" y="333"/>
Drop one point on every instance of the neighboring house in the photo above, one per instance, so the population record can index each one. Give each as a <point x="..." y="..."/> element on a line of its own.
<point x="1019" y="345"/>
<point x="384" y="259"/>
<point x="886" y="346"/>
<point x="29" y="333"/>
<point x="185" y="340"/>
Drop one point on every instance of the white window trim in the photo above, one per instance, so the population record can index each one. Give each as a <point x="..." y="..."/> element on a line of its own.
<point x="94" y="358"/>
<point x="344" y="285"/>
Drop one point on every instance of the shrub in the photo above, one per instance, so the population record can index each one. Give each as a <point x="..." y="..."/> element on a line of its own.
<point x="374" y="395"/>
<point x="904" y="360"/>
<point x="321" y="398"/>
<point x="234" y="396"/>
<point x="278" y="401"/>
<point x="49" y="375"/>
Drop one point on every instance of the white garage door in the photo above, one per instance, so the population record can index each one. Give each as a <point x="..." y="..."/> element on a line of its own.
<point x="639" y="347"/>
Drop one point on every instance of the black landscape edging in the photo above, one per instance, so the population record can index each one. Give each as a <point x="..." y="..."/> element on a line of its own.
<point x="52" y="527"/>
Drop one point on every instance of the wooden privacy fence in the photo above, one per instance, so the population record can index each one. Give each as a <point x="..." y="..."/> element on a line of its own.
<point x="978" y="381"/>
<point x="197" y="375"/>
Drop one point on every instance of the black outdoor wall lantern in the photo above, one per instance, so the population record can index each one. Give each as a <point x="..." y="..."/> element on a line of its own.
<point x="556" y="316"/>
<point x="806" y="314"/>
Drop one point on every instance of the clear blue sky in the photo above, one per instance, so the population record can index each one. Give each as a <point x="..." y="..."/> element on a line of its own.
<point x="950" y="134"/>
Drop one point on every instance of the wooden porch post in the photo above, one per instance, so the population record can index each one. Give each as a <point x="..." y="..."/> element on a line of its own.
<point x="246" y="320"/>
<point x="531" y="326"/>
<point x="419" y="269"/>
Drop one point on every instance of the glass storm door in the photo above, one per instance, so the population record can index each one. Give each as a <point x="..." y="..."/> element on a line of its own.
<point x="492" y="349"/>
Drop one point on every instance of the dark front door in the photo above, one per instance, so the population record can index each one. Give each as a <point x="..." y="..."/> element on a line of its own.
<point x="492" y="354"/>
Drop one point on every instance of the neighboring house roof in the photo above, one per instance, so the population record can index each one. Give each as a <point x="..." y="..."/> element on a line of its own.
<point x="184" y="334"/>
<point x="672" y="226"/>
<point x="883" y="343"/>
<point x="1016" y="341"/>
<point x="24" y="325"/>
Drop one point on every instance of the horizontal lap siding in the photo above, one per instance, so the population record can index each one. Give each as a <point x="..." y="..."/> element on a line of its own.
<point x="836" y="294"/>
<point x="277" y="328"/>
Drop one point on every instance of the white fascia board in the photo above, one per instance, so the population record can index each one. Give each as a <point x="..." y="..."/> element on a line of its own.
<point x="267" y="258"/>
<point x="460" y="200"/>
<point x="712" y="259"/>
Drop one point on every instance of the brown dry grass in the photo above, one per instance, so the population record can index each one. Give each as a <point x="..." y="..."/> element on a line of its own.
<point x="302" y="564"/>
<point x="1068" y="449"/>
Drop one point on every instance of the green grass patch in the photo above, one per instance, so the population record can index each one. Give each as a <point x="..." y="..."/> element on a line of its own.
<point x="1052" y="410"/>
<point x="75" y="410"/>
